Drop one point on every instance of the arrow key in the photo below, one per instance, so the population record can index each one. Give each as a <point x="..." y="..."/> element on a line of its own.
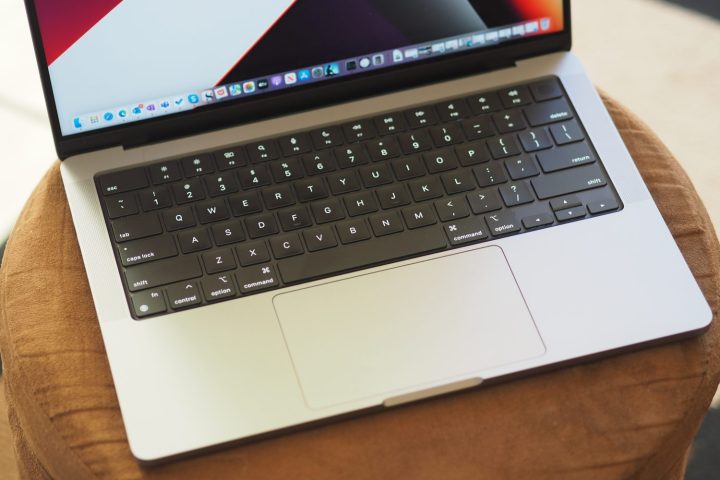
<point x="183" y="295"/>
<point x="537" y="221"/>
<point x="603" y="206"/>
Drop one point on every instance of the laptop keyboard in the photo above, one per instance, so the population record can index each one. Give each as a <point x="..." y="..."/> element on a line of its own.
<point x="241" y="220"/>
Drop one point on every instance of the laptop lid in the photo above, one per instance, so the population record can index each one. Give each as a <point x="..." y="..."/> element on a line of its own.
<point x="131" y="72"/>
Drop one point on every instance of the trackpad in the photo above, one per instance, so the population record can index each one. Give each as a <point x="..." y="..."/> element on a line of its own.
<point x="406" y="328"/>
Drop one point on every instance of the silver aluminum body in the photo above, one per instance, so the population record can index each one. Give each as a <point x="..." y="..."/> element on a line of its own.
<point x="220" y="373"/>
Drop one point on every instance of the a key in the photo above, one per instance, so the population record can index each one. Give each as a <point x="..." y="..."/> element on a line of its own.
<point x="386" y="223"/>
<point x="538" y="221"/>
<point x="353" y="231"/>
<point x="440" y="160"/>
<point x="256" y="176"/>
<point x="188" y="191"/>
<point x="194" y="241"/>
<point x="418" y="216"/>
<point x="227" y="233"/>
<point x="360" y="203"/>
<point x="415" y="142"/>
<point x="164" y="172"/>
<point x="320" y="162"/>
<point x="453" y="110"/>
<point x="534" y="140"/>
<point x="359" y="130"/>
<point x="286" y="170"/>
<point x="218" y="287"/>
<point x="471" y="154"/>
<point x="567" y="132"/>
<point x="425" y="189"/>
<point x="344" y="182"/>
<point x="485" y="103"/>
<point x="229" y="158"/>
<point x="264" y="151"/>
<point x="197" y="165"/>
<point x="252" y="253"/>
<point x="515" y="97"/>
<point x="393" y="196"/>
<point x="456" y="182"/>
<point x="256" y="278"/>
<point x="162" y="272"/>
<point x="146" y="250"/>
<point x="183" y="295"/>
<point x="574" y="213"/>
<point x="155" y="198"/>
<point x="546" y="90"/>
<point x="408" y="167"/>
<point x="319" y="238"/>
<point x="121" y="205"/>
<point x="278" y="196"/>
<point x="284" y="246"/>
<point x="484" y="201"/>
<point x="149" y="302"/>
<point x="327" y="137"/>
<point x="219" y="261"/>
<point x="445" y="135"/>
<point x="295" y="144"/>
<point x="569" y="181"/>
<point x="465" y="231"/>
<point x="133" y="228"/>
<point x="179" y="218"/>
<point x="245" y="204"/>
<point x="565" y="202"/>
<point x="516" y="193"/>
<point x="383" y="149"/>
<point x="477" y="128"/>
<point x="548" y="112"/>
<point x="511" y="121"/>
<point x="351" y="156"/>
<point x="121" y="182"/>
<point x="421" y="117"/>
<point x="502" y="223"/>
<point x="328" y="210"/>
<point x="566" y="157"/>
<point x="376" y="175"/>
<point x="390" y="123"/>
<point x="311" y="189"/>
<point x="502" y="147"/>
<point x="212" y="211"/>
<point x="490" y="174"/>
<point x="294" y="218"/>
<point x="603" y="206"/>
<point x="452" y="208"/>
<point x="521" y="167"/>
<point x="261" y="225"/>
<point x="223" y="184"/>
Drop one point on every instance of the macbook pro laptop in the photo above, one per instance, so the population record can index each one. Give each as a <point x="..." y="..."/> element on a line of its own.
<point x="294" y="210"/>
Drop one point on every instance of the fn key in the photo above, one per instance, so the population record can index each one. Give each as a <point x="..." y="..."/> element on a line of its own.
<point x="149" y="302"/>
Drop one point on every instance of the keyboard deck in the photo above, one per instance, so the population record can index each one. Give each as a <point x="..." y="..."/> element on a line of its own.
<point x="214" y="226"/>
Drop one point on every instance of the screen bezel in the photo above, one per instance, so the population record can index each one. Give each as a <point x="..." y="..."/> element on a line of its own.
<point x="227" y="114"/>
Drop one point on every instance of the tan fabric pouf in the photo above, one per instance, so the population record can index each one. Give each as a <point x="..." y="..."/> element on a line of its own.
<point x="629" y="416"/>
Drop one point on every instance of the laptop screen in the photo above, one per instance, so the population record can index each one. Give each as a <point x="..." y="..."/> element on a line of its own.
<point x="114" y="62"/>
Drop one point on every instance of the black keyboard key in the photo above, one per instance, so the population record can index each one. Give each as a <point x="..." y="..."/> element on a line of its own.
<point x="245" y="204"/>
<point x="179" y="218"/>
<point x="327" y="137"/>
<point x="440" y="161"/>
<point x="212" y="211"/>
<point x="566" y="157"/>
<point x="288" y="245"/>
<point x="295" y="144"/>
<point x="546" y="90"/>
<point x="360" y="203"/>
<point x="534" y="140"/>
<point x="320" y="238"/>
<point x="320" y="162"/>
<point x="183" y="295"/>
<point x="133" y="228"/>
<point x="408" y="167"/>
<point x="418" y="216"/>
<point x="218" y="287"/>
<point x="393" y="196"/>
<point x="353" y="231"/>
<point x="294" y="218"/>
<point x="453" y="110"/>
<point x="426" y="189"/>
<point x="351" y="156"/>
<point x="568" y="132"/>
<point x="490" y="174"/>
<point x="311" y="189"/>
<point x="278" y="197"/>
<point x="548" y="112"/>
<point x="362" y="254"/>
<point x="264" y="151"/>
<point x="121" y="205"/>
<point x="456" y="182"/>
<point x="563" y="203"/>
<point x="415" y="142"/>
<point x="569" y="181"/>
<point x="188" y="191"/>
<point x="502" y="223"/>
<point x="477" y="128"/>
<point x="521" y="167"/>
<point x="155" y="198"/>
<point x="164" y="172"/>
<point x="484" y="201"/>
<point x="257" y="278"/>
<point x="503" y="147"/>
<point x="218" y="261"/>
<point x="257" y="176"/>
<point x="146" y="250"/>
<point x="230" y="158"/>
<point x="261" y="225"/>
<point x="485" y="103"/>
<point x="386" y="223"/>
<point x="575" y="213"/>
<point x="344" y="182"/>
<point x="359" y="130"/>
<point x="194" y="241"/>
<point x="445" y="135"/>
<point x="452" y="208"/>
<point x="197" y="165"/>
<point x="603" y="206"/>
<point x="383" y="149"/>
<point x="223" y="184"/>
<point x="465" y="231"/>
<point x="515" y="97"/>
<point x="149" y="302"/>
<point x="162" y="272"/>
<point x="326" y="211"/>
<point x="507" y="122"/>
<point x="472" y="154"/>
<point x="390" y="123"/>
<point x="286" y="170"/>
<point x="121" y="182"/>
<point x="538" y="221"/>
<point x="421" y="117"/>
<point x="376" y="175"/>
<point x="252" y="253"/>
<point x="227" y="233"/>
<point x="517" y="193"/>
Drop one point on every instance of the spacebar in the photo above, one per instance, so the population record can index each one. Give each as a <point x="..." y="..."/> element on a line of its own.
<point x="360" y="255"/>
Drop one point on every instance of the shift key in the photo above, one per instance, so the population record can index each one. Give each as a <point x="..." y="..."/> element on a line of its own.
<point x="162" y="272"/>
<point x="569" y="181"/>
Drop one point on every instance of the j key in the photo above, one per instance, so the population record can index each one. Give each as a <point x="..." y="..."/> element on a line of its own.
<point x="121" y="205"/>
<point x="548" y="112"/>
<point x="218" y="287"/>
<point x="296" y="144"/>
<point x="566" y="157"/>
<point x="256" y="278"/>
<point x="327" y="137"/>
<point x="534" y="140"/>
<point x="222" y="184"/>
<point x="164" y="172"/>
<point x="194" y="241"/>
<point x="574" y="213"/>
<point x="546" y="90"/>
<point x="285" y="170"/>
<point x="517" y="193"/>
<point x="263" y="151"/>
<point x="328" y="210"/>
<point x="491" y="174"/>
<point x="319" y="238"/>
<point x="502" y="147"/>
<point x="148" y="303"/>
<point x="477" y="128"/>
<point x="212" y="211"/>
<point x="311" y="189"/>
<point x="245" y="204"/>
<point x="155" y="198"/>
<point x="343" y="182"/>
<point x="466" y="230"/>
<point x="393" y="196"/>
<point x="408" y="167"/>
<point x="252" y="253"/>
<point x="277" y="197"/>
<point x="415" y="142"/>
<point x="453" y="110"/>
<point x="353" y="231"/>
<point x="390" y="123"/>
<point x="456" y="182"/>
<point x="294" y="218"/>
<point x="351" y="156"/>
<point x="521" y="167"/>
<point x="569" y="181"/>
<point x="261" y="225"/>
<point x="146" y="250"/>
<point x="162" y="272"/>
<point x="446" y="135"/>
<point x="472" y="154"/>
<point x="485" y="103"/>
<point x="188" y="191"/>
<point x="360" y="203"/>
<point x="386" y="223"/>
<point x="452" y="208"/>
<point x="380" y="250"/>
<point x="537" y="221"/>
<point x="229" y="158"/>
<point x="197" y="165"/>
<point x="383" y="149"/>
<point x="227" y="233"/>
<point x="320" y="162"/>
<point x="421" y="117"/>
<point x="440" y="161"/>
<point x="419" y="216"/>
<point x="563" y="203"/>
<point x="484" y="201"/>
<point x="376" y="175"/>
<point x="179" y="218"/>
<point x="257" y="176"/>
<point x="359" y="130"/>
<point x="121" y="182"/>
<point x="425" y="189"/>
<point x="219" y="261"/>
<point x="136" y="227"/>
<point x="568" y="132"/>
<point x="284" y="246"/>
<point x="515" y="97"/>
<point x="602" y="206"/>
<point x="183" y="295"/>
<point x="509" y="121"/>
<point x="502" y="223"/>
